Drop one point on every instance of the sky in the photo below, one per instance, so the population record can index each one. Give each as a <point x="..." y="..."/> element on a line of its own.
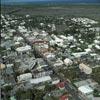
<point x="79" y="1"/>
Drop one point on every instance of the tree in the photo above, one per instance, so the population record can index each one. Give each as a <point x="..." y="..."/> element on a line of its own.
<point x="37" y="93"/>
<point x="27" y="71"/>
<point x="8" y="88"/>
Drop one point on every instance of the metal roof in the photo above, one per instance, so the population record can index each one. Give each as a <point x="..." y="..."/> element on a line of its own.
<point x="85" y="89"/>
<point x="39" y="80"/>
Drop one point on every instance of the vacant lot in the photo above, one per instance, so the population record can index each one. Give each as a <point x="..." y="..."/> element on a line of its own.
<point x="91" y="11"/>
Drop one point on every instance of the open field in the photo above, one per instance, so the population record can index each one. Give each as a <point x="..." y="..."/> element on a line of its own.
<point x="91" y="11"/>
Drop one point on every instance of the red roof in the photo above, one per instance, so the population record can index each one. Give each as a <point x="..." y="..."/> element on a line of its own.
<point x="64" y="97"/>
<point x="61" y="85"/>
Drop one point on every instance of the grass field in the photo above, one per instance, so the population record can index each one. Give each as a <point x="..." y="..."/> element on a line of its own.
<point x="90" y="11"/>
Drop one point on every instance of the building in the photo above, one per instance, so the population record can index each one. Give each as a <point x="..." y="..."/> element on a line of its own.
<point x="37" y="74"/>
<point x="57" y="40"/>
<point x="48" y="55"/>
<point x="68" y="62"/>
<point x="40" y="80"/>
<point x="93" y="84"/>
<point x="58" y="63"/>
<point x="41" y="63"/>
<point x="24" y="77"/>
<point x="86" y="92"/>
<point x="97" y="47"/>
<point x="55" y="81"/>
<point x="2" y="66"/>
<point x="9" y="69"/>
<point x="84" y="68"/>
<point x="63" y="37"/>
<point x="23" y="49"/>
<point x="79" y="54"/>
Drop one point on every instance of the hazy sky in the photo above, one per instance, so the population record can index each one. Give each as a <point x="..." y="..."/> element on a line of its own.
<point x="97" y="1"/>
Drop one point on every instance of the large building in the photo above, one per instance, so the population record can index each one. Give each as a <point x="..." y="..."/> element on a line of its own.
<point x="84" y="68"/>
<point x="24" y="77"/>
<point x="23" y="49"/>
<point x="86" y="92"/>
<point x="40" y="80"/>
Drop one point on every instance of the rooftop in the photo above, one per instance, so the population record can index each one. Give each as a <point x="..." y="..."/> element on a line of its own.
<point x="85" y="89"/>
<point x="39" y="80"/>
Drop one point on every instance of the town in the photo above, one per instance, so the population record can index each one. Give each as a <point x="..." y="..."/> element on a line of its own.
<point x="49" y="58"/>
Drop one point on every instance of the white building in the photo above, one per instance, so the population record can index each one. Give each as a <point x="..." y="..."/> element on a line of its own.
<point x="68" y="62"/>
<point x="84" y="68"/>
<point x="79" y="54"/>
<point x="88" y="50"/>
<point x="23" y="49"/>
<point x="58" y="63"/>
<point x="2" y="66"/>
<point x="24" y="77"/>
<point x="55" y="81"/>
<point x="97" y="47"/>
<point x="40" y="80"/>
<point x="86" y="92"/>
<point x="44" y="33"/>
<point x="70" y="38"/>
<point x="63" y="37"/>
<point x="53" y="27"/>
<point x="52" y="42"/>
<point x="22" y="29"/>
<point x="49" y="55"/>
<point x="57" y="40"/>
